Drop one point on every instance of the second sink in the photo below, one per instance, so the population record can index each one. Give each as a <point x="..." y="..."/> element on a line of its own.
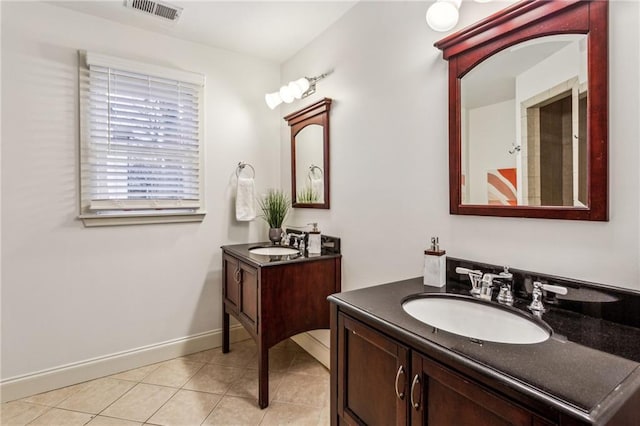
<point x="479" y="320"/>
<point x="274" y="251"/>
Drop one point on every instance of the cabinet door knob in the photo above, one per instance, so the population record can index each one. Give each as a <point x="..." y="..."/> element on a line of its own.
<point x="399" y="394"/>
<point x="238" y="275"/>
<point x="414" y="383"/>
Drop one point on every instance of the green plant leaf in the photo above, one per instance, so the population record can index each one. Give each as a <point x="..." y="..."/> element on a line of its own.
<point x="275" y="207"/>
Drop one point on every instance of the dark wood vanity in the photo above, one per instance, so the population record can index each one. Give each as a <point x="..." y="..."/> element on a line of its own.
<point x="276" y="297"/>
<point x="387" y="368"/>
<point x="384" y="381"/>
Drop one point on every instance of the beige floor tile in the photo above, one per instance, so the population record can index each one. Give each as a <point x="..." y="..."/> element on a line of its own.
<point x="280" y="413"/>
<point x="140" y="402"/>
<point x="235" y="411"/>
<point x="137" y="374"/>
<point x="304" y="363"/>
<point x="325" y="416"/>
<point x="201" y="357"/>
<point x="304" y="389"/>
<point x="186" y="408"/>
<point x="56" y="416"/>
<point x="214" y="379"/>
<point x="54" y="397"/>
<point x="278" y="360"/>
<point x="20" y="413"/>
<point x="288" y="345"/>
<point x="110" y="421"/>
<point x="97" y="395"/>
<point x="239" y="356"/>
<point x="247" y="385"/>
<point x="174" y="373"/>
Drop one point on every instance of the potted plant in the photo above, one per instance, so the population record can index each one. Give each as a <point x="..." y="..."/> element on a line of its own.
<point x="275" y="206"/>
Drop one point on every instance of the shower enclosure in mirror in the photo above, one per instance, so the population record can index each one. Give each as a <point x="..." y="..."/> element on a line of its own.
<point x="528" y="112"/>
<point x="310" y="155"/>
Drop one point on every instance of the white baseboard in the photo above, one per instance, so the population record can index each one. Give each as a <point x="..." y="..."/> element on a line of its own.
<point x="77" y="372"/>
<point x="315" y="348"/>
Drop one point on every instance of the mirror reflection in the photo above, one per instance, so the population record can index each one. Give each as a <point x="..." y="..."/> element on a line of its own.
<point x="309" y="165"/>
<point x="524" y="125"/>
<point x="310" y="155"/>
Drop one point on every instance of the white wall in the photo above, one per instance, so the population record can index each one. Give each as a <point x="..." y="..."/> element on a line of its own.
<point x="71" y="293"/>
<point x="389" y="159"/>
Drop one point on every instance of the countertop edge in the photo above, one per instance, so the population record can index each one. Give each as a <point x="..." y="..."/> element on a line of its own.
<point x="596" y="416"/>
<point x="242" y="250"/>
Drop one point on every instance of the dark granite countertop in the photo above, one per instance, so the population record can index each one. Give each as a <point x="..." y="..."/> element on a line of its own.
<point x="259" y="260"/>
<point x="586" y="366"/>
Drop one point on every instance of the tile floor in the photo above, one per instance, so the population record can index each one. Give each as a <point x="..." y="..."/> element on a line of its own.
<point x="205" y="388"/>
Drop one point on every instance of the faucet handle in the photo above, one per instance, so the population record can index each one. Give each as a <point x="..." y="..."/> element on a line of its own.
<point x="552" y="288"/>
<point x="474" y="276"/>
<point x="461" y="270"/>
<point x="536" y="305"/>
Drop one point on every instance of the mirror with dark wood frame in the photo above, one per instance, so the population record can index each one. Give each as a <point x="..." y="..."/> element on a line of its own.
<point x="528" y="112"/>
<point x="310" y="155"/>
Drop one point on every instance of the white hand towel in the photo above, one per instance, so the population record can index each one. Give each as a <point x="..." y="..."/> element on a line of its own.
<point x="317" y="186"/>
<point x="245" y="199"/>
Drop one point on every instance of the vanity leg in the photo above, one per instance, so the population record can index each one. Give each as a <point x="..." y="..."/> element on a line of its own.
<point x="263" y="376"/>
<point x="225" y="330"/>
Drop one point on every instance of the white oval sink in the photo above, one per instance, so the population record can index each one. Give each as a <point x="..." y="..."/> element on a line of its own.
<point x="478" y="320"/>
<point x="274" y="251"/>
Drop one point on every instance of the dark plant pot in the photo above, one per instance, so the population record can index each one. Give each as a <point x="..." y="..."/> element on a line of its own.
<point x="275" y="235"/>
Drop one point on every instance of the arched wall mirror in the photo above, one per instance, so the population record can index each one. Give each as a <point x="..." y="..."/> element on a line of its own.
<point x="310" y="155"/>
<point x="528" y="112"/>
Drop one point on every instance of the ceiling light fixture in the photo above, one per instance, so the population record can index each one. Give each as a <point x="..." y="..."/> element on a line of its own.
<point x="296" y="89"/>
<point x="443" y="15"/>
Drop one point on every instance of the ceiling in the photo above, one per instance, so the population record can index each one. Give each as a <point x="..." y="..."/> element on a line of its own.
<point x="272" y="30"/>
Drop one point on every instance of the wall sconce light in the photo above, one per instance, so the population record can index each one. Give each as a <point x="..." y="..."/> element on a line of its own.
<point x="296" y="89"/>
<point x="443" y="14"/>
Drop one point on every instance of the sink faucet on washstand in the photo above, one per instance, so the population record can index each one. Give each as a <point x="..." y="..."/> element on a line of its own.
<point x="482" y="285"/>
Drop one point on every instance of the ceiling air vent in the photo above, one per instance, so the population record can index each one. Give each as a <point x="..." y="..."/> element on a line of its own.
<point x="155" y="8"/>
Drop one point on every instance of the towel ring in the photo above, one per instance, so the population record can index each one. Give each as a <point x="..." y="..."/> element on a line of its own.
<point x="241" y="167"/>
<point x="312" y="169"/>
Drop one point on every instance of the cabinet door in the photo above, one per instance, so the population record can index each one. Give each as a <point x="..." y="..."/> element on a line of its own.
<point x="373" y="374"/>
<point x="248" y="308"/>
<point x="441" y="397"/>
<point x="231" y="283"/>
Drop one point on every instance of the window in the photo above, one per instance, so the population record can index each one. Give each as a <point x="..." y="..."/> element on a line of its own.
<point x="141" y="150"/>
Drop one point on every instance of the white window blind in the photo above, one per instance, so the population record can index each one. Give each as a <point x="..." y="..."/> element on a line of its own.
<point x="141" y="138"/>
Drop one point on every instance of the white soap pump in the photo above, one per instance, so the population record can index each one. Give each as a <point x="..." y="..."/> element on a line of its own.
<point x="315" y="241"/>
<point x="435" y="265"/>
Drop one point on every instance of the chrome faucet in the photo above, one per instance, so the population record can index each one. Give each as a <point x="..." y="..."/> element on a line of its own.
<point x="475" y="276"/>
<point x="536" y="306"/>
<point x="486" y="290"/>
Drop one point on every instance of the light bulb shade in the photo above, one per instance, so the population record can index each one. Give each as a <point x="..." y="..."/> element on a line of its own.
<point x="286" y="94"/>
<point x="273" y="99"/>
<point x="298" y="87"/>
<point x="442" y="16"/>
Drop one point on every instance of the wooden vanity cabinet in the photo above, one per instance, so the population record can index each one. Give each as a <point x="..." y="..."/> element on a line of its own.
<point x="380" y="381"/>
<point x="440" y="396"/>
<point x="276" y="301"/>
<point x="241" y="290"/>
<point x="373" y="374"/>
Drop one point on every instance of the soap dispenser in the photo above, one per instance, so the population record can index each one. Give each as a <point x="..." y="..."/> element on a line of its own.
<point x="315" y="241"/>
<point x="435" y="268"/>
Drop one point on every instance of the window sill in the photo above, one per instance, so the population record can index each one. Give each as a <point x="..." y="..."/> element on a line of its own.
<point x="94" y="220"/>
